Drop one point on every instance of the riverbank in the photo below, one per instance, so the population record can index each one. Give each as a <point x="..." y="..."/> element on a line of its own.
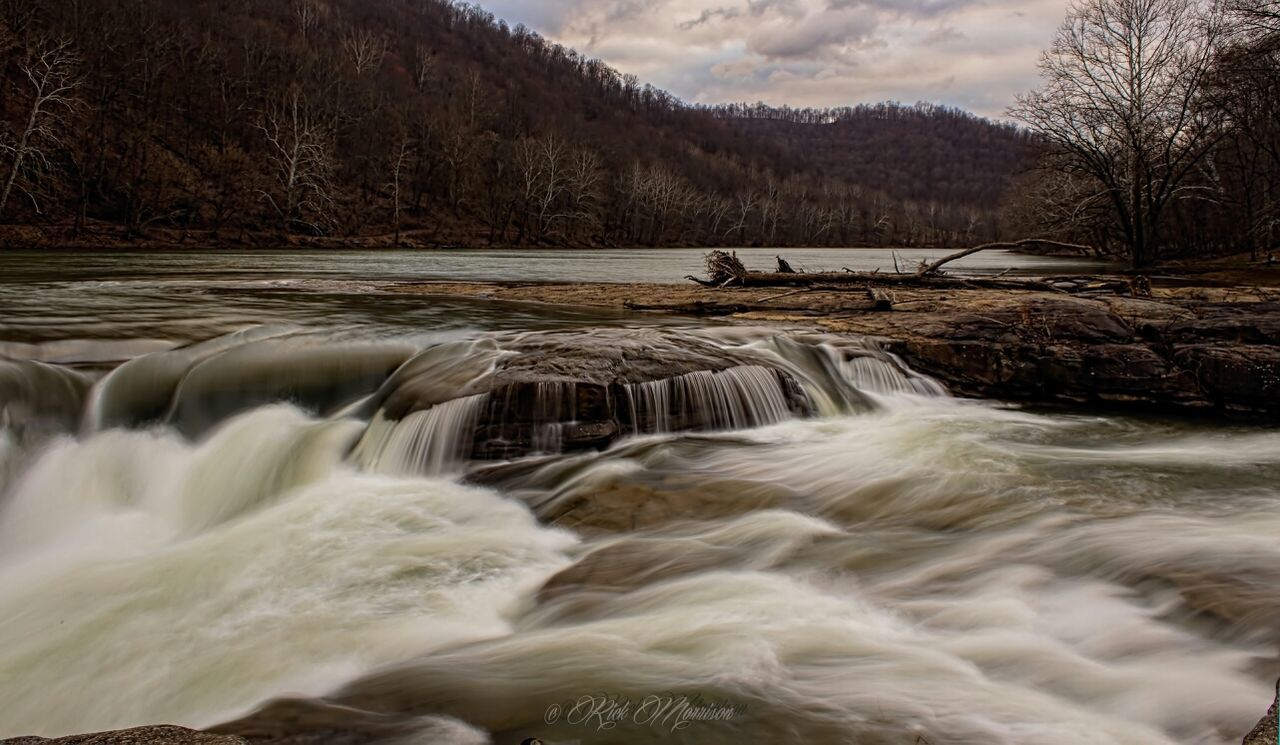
<point x="99" y="236"/>
<point x="1194" y="346"/>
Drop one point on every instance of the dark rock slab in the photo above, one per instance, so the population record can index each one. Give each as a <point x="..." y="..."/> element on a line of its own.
<point x="1175" y="356"/>
<point x="1266" y="733"/>
<point x="568" y="391"/>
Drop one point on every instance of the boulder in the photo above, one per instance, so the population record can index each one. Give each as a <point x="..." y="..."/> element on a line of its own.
<point x="1268" y="730"/>
<point x="1199" y="358"/>
<point x="553" y="392"/>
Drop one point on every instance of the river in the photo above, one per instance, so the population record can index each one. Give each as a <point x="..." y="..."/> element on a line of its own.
<point x="208" y="502"/>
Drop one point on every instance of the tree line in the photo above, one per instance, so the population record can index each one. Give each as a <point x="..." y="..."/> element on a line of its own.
<point x="433" y="122"/>
<point x="1160" y="122"/>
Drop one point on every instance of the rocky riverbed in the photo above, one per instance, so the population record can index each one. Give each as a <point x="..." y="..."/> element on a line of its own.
<point x="936" y="507"/>
<point x="1188" y="348"/>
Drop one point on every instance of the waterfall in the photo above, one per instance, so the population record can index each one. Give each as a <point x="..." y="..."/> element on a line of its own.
<point x="881" y="375"/>
<point x="195" y="388"/>
<point x="430" y="442"/>
<point x="737" y="398"/>
<point x="145" y="578"/>
<point x="554" y="405"/>
<point x="838" y="373"/>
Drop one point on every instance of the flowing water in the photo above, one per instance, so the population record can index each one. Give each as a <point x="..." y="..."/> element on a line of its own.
<point x="213" y="497"/>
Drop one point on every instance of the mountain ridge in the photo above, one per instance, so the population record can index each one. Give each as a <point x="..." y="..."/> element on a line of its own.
<point x="434" y="119"/>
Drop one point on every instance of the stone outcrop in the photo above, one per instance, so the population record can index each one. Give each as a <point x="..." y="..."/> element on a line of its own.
<point x="1190" y="348"/>
<point x="573" y="391"/>
<point x="1267" y="732"/>
<point x="1220" y="358"/>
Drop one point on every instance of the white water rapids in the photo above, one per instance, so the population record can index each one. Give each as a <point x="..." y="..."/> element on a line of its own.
<point x="902" y="567"/>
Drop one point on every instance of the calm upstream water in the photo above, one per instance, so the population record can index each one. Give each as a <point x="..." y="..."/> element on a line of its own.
<point x="207" y="506"/>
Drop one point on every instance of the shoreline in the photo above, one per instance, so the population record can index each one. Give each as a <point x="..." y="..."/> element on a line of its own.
<point x="114" y="238"/>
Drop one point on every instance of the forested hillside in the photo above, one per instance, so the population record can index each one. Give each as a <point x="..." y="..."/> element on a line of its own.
<point x="433" y="123"/>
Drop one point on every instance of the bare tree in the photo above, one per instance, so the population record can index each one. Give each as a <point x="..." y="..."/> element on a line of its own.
<point x="1119" y="104"/>
<point x="399" y="166"/>
<point x="424" y="67"/>
<point x="583" y="187"/>
<point x="770" y="209"/>
<point x="1245" y="86"/>
<point x="551" y="152"/>
<point x="307" y="13"/>
<point x="50" y="73"/>
<point x="8" y="41"/>
<point x="1256" y="17"/>
<point x="747" y="201"/>
<point x="546" y="170"/>
<point x="716" y="209"/>
<point x="300" y="152"/>
<point x="365" y="50"/>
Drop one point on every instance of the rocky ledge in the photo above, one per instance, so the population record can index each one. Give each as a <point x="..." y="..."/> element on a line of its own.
<point x="1219" y="357"/>
<point x="581" y="390"/>
<point x="1188" y="348"/>
<point x="1268" y="730"/>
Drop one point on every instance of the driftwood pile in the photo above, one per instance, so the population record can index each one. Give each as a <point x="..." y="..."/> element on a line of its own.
<point x="724" y="269"/>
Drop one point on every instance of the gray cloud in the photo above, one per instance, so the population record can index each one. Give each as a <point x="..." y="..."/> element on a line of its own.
<point x="813" y="34"/>
<point x="709" y="15"/>
<point x="907" y="8"/>
<point x="971" y="53"/>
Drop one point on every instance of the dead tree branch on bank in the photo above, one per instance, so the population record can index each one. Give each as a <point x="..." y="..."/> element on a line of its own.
<point x="723" y="269"/>
<point x="928" y="269"/>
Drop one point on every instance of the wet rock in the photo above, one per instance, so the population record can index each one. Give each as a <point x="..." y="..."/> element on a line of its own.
<point x="624" y="505"/>
<point x="1235" y="323"/>
<point x="195" y="388"/>
<point x="996" y="342"/>
<point x="1266" y="731"/>
<point x="308" y="372"/>
<point x="555" y="392"/>
<point x="158" y="735"/>
<point x="41" y="397"/>
<point x="1244" y="377"/>
<point x="626" y="566"/>
<point x="1220" y="358"/>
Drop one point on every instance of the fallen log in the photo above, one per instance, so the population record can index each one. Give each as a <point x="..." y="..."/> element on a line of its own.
<point x="861" y="279"/>
<point x="927" y="269"/>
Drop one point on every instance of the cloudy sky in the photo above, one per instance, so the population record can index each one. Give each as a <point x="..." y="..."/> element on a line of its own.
<point x="971" y="53"/>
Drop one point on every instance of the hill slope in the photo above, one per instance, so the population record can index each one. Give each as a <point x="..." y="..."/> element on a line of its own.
<point x="228" y="119"/>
